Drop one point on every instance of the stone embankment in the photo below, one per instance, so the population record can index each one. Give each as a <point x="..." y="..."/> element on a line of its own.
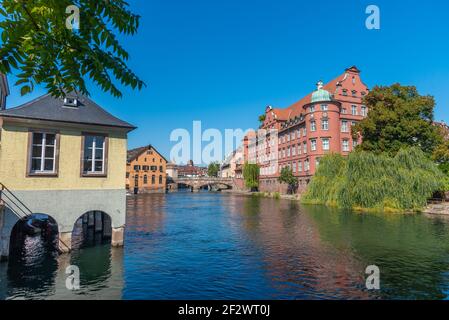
<point x="440" y="208"/>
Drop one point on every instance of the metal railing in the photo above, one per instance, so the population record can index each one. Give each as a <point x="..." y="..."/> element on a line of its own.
<point x="20" y="209"/>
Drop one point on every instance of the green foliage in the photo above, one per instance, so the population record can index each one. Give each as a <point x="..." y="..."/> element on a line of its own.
<point x="287" y="177"/>
<point x="213" y="169"/>
<point x="251" y="175"/>
<point x="262" y="118"/>
<point x="398" y="118"/>
<point x="370" y="181"/>
<point x="37" y="43"/>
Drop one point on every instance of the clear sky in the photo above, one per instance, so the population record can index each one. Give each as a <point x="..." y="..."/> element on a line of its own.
<point x="223" y="62"/>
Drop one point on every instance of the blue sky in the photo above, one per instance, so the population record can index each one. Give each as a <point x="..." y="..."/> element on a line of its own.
<point x="222" y="62"/>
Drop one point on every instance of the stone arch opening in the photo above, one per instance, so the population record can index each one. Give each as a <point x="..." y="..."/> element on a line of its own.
<point x="92" y="228"/>
<point x="34" y="236"/>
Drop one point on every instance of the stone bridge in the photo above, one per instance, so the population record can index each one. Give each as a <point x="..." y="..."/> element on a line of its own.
<point x="196" y="183"/>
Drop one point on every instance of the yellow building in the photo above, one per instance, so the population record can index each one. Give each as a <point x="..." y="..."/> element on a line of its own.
<point x="63" y="158"/>
<point x="146" y="170"/>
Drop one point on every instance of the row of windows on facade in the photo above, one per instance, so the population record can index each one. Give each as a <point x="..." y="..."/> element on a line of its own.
<point x="145" y="179"/>
<point x="344" y="92"/>
<point x="154" y="159"/>
<point x="275" y="181"/>
<point x="300" y="166"/>
<point x="284" y="138"/>
<point x="296" y="167"/>
<point x="303" y="149"/>
<point x="325" y="146"/>
<point x="44" y="147"/>
<point x="344" y="127"/>
<point x="148" y="168"/>
<point x="354" y="109"/>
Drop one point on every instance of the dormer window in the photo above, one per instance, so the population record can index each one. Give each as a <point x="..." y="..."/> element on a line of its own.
<point x="345" y="92"/>
<point x="70" y="102"/>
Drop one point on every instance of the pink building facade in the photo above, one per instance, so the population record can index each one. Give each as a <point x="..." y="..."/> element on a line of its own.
<point x="300" y="135"/>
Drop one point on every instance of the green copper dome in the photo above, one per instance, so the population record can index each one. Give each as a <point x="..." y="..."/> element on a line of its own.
<point x="320" y="94"/>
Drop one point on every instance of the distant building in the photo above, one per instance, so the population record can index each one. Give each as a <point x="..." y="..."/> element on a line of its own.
<point x="190" y="170"/>
<point x="64" y="158"/>
<point x="300" y="135"/>
<point x="4" y="91"/>
<point x="146" y="170"/>
<point x="444" y="129"/>
<point x="229" y="165"/>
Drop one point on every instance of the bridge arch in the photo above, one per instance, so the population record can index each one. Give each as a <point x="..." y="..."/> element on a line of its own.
<point x="91" y="228"/>
<point x="36" y="232"/>
<point x="196" y="183"/>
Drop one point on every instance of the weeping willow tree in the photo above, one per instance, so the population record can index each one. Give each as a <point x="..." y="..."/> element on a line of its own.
<point x="251" y="176"/>
<point x="365" y="180"/>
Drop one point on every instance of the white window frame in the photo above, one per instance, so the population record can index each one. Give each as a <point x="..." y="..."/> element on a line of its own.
<point x="326" y="144"/>
<point x="43" y="157"/>
<point x="94" y="148"/>
<point x="325" y="124"/>
<point x="313" y="144"/>
<point x="344" y="126"/>
<point x="345" y="145"/>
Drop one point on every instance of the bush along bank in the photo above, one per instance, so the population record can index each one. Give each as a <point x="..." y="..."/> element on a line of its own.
<point x="366" y="181"/>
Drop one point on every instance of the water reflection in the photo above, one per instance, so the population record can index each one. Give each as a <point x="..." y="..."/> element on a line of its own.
<point x="224" y="246"/>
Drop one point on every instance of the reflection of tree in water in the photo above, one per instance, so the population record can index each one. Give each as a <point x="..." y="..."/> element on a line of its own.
<point x="94" y="264"/>
<point x="298" y="262"/>
<point x="412" y="251"/>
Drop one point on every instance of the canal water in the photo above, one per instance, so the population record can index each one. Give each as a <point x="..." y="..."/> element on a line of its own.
<point x="224" y="246"/>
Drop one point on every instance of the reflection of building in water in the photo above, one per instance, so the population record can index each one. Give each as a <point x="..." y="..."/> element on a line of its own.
<point x="146" y="212"/>
<point x="101" y="274"/>
<point x="296" y="256"/>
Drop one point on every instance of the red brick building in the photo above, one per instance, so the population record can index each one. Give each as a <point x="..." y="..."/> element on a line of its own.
<point x="300" y="135"/>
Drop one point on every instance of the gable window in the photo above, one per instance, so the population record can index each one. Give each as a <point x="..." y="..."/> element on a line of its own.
<point x="94" y="155"/>
<point x="43" y="157"/>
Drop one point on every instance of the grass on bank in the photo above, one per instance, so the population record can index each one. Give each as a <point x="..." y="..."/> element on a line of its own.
<point x="366" y="181"/>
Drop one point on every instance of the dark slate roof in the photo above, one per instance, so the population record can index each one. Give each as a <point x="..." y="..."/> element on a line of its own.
<point x="134" y="153"/>
<point x="49" y="108"/>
